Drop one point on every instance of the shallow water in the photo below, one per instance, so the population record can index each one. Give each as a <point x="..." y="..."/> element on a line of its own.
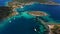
<point x="53" y="10"/>
<point x="20" y="25"/>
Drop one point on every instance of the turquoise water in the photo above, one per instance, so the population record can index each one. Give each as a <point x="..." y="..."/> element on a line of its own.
<point x="24" y="23"/>
<point x="53" y="10"/>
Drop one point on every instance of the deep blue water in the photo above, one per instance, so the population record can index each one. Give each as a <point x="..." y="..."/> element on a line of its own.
<point x="58" y="1"/>
<point x="3" y="2"/>
<point x="54" y="10"/>
<point x="24" y="25"/>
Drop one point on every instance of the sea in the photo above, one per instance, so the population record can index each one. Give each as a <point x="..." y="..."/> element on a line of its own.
<point x="54" y="10"/>
<point x="25" y="26"/>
